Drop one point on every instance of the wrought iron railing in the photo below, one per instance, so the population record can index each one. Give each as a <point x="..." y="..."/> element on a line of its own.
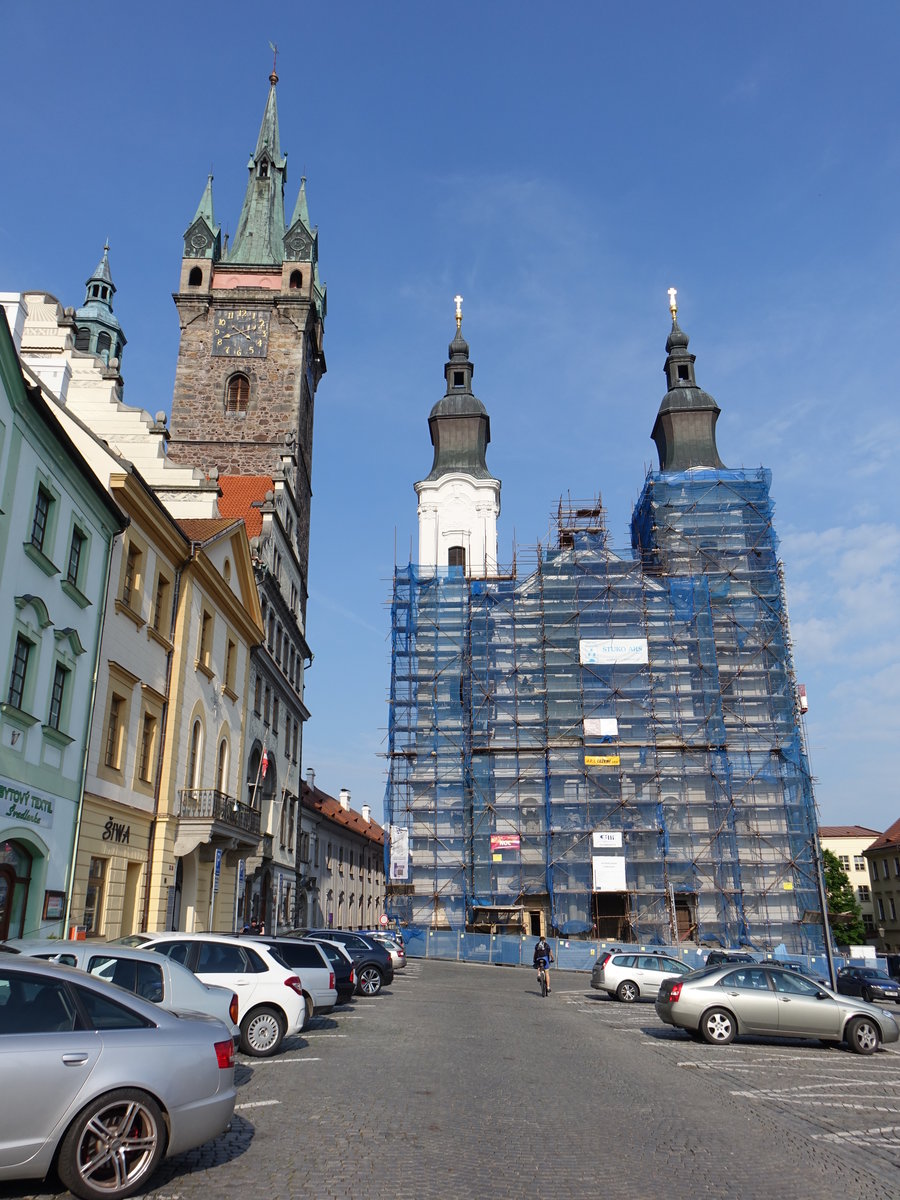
<point x="211" y="805"/>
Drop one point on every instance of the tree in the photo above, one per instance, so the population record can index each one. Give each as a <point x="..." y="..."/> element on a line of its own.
<point x="844" y="913"/>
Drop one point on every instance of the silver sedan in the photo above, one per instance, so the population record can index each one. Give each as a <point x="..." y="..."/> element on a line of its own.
<point x="718" y="1003"/>
<point x="102" y="1082"/>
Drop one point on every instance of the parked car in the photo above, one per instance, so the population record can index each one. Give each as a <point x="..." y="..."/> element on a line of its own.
<point x="344" y="971"/>
<point x="311" y="962"/>
<point x="627" y="977"/>
<point x="869" y="983"/>
<point x="393" y="947"/>
<point x="372" y="961"/>
<point x="715" y="957"/>
<point x="271" y="1005"/>
<point x="150" y="976"/>
<point x="720" y="1003"/>
<point x="102" y="1084"/>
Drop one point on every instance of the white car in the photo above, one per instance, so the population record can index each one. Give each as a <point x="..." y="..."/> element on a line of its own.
<point x="150" y="976"/>
<point x="271" y="1005"/>
<point x="628" y="976"/>
<point x="311" y="963"/>
<point x="394" y="948"/>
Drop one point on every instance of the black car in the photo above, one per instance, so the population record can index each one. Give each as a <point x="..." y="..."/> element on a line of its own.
<point x="717" y="957"/>
<point x="373" y="964"/>
<point x="868" y="983"/>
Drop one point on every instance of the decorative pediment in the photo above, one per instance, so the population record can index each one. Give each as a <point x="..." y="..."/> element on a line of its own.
<point x="70" y="635"/>
<point x="201" y="242"/>
<point x="39" y="607"/>
<point x="299" y="244"/>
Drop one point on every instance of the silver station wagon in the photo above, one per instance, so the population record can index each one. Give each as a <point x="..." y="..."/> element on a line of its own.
<point x="720" y="1003"/>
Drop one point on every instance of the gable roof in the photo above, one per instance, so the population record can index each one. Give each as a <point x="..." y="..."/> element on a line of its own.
<point x="201" y="530"/>
<point x="241" y="495"/>
<point x="332" y="810"/>
<point x="847" y="831"/>
<point x="890" y="837"/>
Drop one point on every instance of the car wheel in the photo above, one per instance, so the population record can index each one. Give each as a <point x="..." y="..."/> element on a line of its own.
<point x="863" y="1036"/>
<point x="113" y="1145"/>
<point x="627" y="991"/>
<point x="310" y="1010"/>
<point x="866" y="995"/>
<point x="262" y="1032"/>
<point x="718" y="1027"/>
<point x="370" y="981"/>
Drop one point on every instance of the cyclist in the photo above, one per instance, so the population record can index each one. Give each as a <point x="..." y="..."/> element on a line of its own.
<point x="543" y="957"/>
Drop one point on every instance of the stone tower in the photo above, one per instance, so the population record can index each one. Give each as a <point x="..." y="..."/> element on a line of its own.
<point x="459" y="499"/>
<point x="252" y="321"/>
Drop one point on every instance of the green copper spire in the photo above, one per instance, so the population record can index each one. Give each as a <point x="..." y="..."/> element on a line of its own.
<point x="301" y="211"/>
<point x="260" y="231"/>
<point x="202" y="238"/>
<point x="97" y="327"/>
<point x="301" y="242"/>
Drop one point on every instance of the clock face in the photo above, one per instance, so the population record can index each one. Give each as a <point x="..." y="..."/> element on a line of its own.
<point x="240" y="333"/>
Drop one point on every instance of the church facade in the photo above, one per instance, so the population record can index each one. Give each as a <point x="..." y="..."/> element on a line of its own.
<point x="608" y="744"/>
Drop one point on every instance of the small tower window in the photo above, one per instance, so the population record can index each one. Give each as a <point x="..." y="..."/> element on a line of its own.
<point x="104" y="341"/>
<point x="95" y="290"/>
<point x="82" y="339"/>
<point x="195" y="278"/>
<point x="264" y="169"/>
<point x="456" y="557"/>
<point x="237" y="396"/>
<point x="683" y="372"/>
<point x="296" y="279"/>
<point x="459" y="379"/>
<point x="104" y="293"/>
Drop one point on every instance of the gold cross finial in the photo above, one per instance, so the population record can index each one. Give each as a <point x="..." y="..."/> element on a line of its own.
<point x="673" y="303"/>
<point x="457" y="300"/>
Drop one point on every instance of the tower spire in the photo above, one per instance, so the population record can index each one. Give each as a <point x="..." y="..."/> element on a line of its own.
<point x="97" y="328"/>
<point x="260" y="230"/>
<point x="685" y="427"/>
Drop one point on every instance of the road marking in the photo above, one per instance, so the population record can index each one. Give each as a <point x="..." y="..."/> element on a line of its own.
<point x="318" y="1036"/>
<point x="274" y="1062"/>
<point x="257" y="1104"/>
<point x="846" y="1135"/>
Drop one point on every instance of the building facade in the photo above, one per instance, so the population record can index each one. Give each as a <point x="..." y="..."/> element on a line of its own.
<point x="341" y="862"/>
<point x="57" y="529"/>
<point x="608" y="743"/>
<point x="883" y="857"/>
<point x="848" y="843"/>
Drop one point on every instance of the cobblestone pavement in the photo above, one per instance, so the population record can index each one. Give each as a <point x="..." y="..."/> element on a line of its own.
<point x="460" y="1081"/>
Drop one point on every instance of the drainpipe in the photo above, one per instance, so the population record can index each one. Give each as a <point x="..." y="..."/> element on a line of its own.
<point x="176" y="590"/>
<point x="76" y="834"/>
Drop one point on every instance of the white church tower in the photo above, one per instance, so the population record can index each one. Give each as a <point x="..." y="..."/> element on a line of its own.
<point x="459" y="500"/>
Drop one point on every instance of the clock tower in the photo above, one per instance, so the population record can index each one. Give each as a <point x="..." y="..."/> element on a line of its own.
<point x="252" y="322"/>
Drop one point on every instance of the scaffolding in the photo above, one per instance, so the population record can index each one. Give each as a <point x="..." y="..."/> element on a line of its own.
<point x="609" y="743"/>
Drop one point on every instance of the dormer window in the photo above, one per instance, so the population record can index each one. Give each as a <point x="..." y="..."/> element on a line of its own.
<point x="459" y="379"/>
<point x="264" y="169"/>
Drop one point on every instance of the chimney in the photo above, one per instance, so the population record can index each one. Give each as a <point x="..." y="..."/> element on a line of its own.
<point x="310" y="779"/>
<point x="345" y="799"/>
<point x="366" y="813"/>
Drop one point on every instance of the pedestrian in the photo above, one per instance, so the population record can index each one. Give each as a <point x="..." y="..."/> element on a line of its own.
<point x="254" y="926"/>
<point x="543" y="956"/>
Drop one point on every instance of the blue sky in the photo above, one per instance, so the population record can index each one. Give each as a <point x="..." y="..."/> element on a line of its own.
<point x="561" y="167"/>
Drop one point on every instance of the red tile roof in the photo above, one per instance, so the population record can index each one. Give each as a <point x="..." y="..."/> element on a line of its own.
<point x="331" y="809"/>
<point x="239" y="494"/>
<point x="847" y="831"/>
<point x="890" y="837"/>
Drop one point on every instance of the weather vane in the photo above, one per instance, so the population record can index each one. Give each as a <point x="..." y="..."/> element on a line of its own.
<point x="673" y="303"/>
<point x="274" y="76"/>
<point x="457" y="300"/>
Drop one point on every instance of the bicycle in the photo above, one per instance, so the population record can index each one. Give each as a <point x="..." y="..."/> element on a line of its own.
<point x="542" y="978"/>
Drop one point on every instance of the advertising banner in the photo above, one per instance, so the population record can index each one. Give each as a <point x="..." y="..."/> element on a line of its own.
<point x="399" y="852"/>
<point x="601" y="760"/>
<point x="601" y="727"/>
<point x="505" y="841"/>
<point x="612" y="651"/>
<point x="608" y="872"/>
<point x="612" y="838"/>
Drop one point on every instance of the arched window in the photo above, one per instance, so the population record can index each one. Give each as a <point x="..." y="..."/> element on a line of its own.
<point x="196" y="277"/>
<point x="104" y="341"/>
<point x="237" y="395"/>
<point x="82" y="338"/>
<point x="456" y="557"/>
<point x="264" y="169"/>
<point x="193" y="778"/>
<point x="296" y="279"/>
<point x="222" y="766"/>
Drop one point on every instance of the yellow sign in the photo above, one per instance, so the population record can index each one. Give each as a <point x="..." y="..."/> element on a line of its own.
<point x="496" y="858"/>
<point x="601" y="760"/>
<point x="787" y="885"/>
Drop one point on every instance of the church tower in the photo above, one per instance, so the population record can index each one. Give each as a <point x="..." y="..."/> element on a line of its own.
<point x="97" y="327"/>
<point x="252" y="322"/>
<point x="459" y="499"/>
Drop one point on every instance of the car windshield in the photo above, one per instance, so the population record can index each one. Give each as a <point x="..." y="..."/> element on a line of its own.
<point x="878" y="977"/>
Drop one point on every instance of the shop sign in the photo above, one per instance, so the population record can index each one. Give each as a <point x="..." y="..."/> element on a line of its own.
<point x="25" y="804"/>
<point x="113" y="831"/>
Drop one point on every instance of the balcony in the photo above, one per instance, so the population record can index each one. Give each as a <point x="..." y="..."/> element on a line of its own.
<point x="207" y="815"/>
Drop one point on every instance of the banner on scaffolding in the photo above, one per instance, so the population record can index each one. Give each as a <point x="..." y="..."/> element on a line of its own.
<point x="504" y="841"/>
<point x="601" y="727"/>
<point x="601" y="760"/>
<point x="608" y="872"/>
<point x="399" y="852"/>
<point x="612" y="651"/>
<point x="602" y="838"/>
